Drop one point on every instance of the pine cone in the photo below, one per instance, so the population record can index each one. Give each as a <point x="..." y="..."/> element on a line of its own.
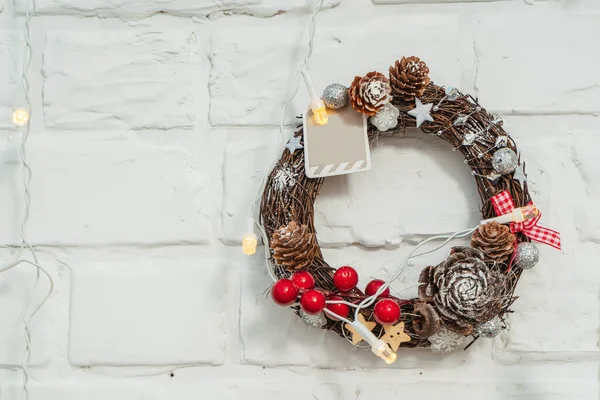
<point x="495" y="240"/>
<point x="368" y="94"/>
<point x="293" y="246"/>
<point x="409" y="77"/>
<point x="465" y="291"/>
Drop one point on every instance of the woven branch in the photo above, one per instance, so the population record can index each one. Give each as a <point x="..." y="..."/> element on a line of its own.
<point x="280" y="205"/>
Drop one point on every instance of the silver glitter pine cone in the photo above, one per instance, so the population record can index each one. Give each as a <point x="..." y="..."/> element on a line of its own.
<point x="335" y="96"/>
<point x="527" y="255"/>
<point x="489" y="329"/>
<point x="504" y="161"/>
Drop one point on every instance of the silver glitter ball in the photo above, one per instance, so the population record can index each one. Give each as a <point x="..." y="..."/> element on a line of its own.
<point x="489" y="329"/>
<point x="527" y="255"/>
<point x="504" y="161"/>
<point x="335" y="96"/>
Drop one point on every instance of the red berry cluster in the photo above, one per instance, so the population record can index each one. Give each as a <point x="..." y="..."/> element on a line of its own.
<point x="345" y="279"/>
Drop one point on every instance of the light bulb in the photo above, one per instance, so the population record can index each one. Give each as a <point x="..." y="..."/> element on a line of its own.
<point x="249" y="243"/>
<point x="250" y="240"/>
<point x="383" y="350"/>
<point x="378" y="346"/>
<point x="529" y="212"/>
<point x="20" y="117"/>
<point x="320" y="115"/>
<point x="317" y="105"/>
<point x="517" y="215"/>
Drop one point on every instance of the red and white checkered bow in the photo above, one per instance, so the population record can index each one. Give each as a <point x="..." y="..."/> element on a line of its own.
<point x="503" y="204"/>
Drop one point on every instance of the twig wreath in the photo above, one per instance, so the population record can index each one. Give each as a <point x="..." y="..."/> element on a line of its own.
<point x="461" y="299"/>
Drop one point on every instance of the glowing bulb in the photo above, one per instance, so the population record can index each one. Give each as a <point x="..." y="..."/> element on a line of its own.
<point x="383" y="350"/>
<point x="20" y="117"/>
<point x="380" y="348"/>
<point x="249" y="243"/>
<point x="320" y="116"/>
<point x="250" y="240"/>
<point x="317" y="105"/>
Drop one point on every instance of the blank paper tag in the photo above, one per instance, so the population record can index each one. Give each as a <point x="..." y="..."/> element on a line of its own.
<point x="341" y="146"/>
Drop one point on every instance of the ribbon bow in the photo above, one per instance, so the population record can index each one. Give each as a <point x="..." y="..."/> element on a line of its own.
<point x="503" y="204"/>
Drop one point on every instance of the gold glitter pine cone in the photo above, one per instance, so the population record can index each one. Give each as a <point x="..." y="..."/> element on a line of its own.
<point x="368" y="94"/>
<point x="495" y="240"/>
<point x="409" y="77"/>
<point x="294" y="246"/>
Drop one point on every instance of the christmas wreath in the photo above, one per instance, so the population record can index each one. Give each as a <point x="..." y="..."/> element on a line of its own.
<point x="459" y="300"/>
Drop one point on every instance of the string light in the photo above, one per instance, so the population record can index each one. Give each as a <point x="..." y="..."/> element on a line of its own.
<point x="378" y="346"/>
<point x="20" y="117"/>
<point x="520" y="214"/>
<point x="317" y="105"/>
<point x="250" y="240"/>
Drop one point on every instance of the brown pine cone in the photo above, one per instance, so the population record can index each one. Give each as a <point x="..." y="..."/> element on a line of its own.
<point x="369" y="93"/>
<point x="465" y="291"/>
<point x="409" y="77"/>
<point x="426" y="321"/>
<point x="293" y="246"/>
<point x="495" y="240"/>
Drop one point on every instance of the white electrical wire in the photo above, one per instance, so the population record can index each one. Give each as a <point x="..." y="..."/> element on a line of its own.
<point x="400" y="268"/>
<point x="26" y="177"/>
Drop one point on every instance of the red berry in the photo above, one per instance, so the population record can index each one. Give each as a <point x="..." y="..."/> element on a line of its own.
<point x="284" y="292"/>
<point x="387" y="312"/>
<point x="373" y="287"/>
<point x="345" y="278"/>
<point x="312" y="302"/>
<point x="303" y="280"/>
<point x="340" y="309"/>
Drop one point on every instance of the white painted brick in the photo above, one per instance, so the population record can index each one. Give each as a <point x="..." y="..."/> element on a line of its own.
<point x="418" y="186"/>
<point x="549" y="68"/>
<point x="546" y="146"/>
<point x="104" y="188"/>
<point x="132" y="79"/>
<point x="168" y="300"/>
<point x="103" y="390"/>
<point x="585" y="159"/>
<point x="519" y="388"/>
<point x="243" y="92"/>
<point x="423" y="1"/>
<point x="246" y="160"/>
<point x="261" y="386"/>
<point x="551" y="319"/>
<point x="10" y="67"/>
<point x="584" y="7"/>
<point x="221" y="388"/>
<point x="133" y="9"/>
<point x="48" y="327"/>
<point x="559" y="151"/>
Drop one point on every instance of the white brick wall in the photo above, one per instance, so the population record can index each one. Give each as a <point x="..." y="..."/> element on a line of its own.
<point x="153" y="124"/>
